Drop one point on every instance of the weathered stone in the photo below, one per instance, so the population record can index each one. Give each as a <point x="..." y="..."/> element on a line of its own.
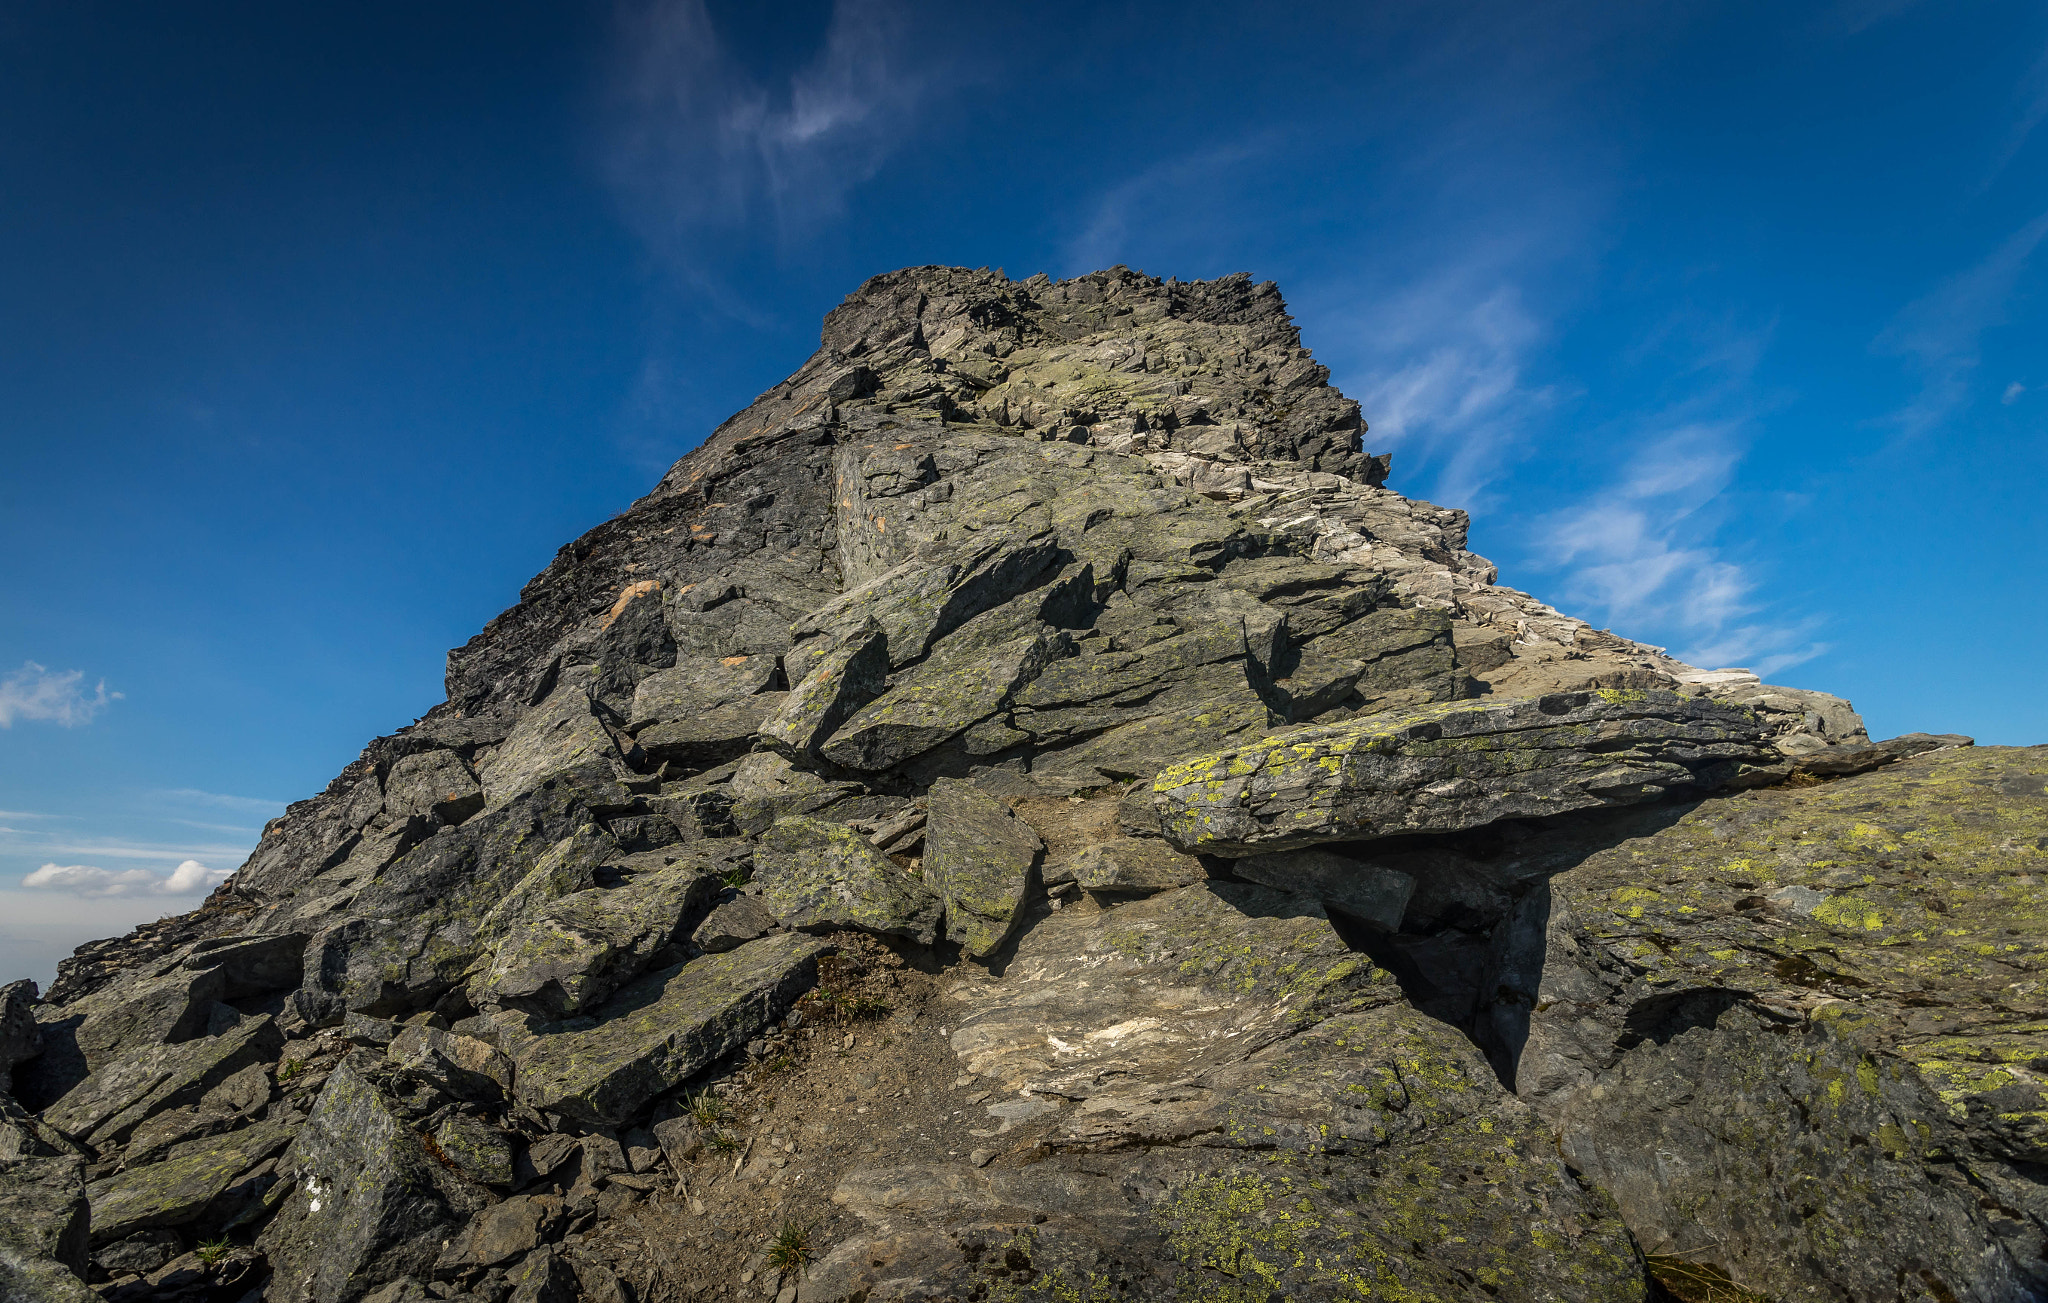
<point x="844" y="679"/>
<point x="1376" y="894"/>
<point x="106" y="1107"/>
<point x="501" y="1233"/>
<point x="366" y="1208"/>
<point x="816" y="876"/>
<point x="697" y="687"/>
<point x="1454" y="766"/>
<point x="1135" y="866"/>
<point x="575" y="951"/>
<point x="481" y="1153"/>
<point x="139" y="1254"/>
<point x="543" y="1276"/>
<point x="436" y="783"/>
<point x="962" y="683"/>
<point x="21" y="1037"/>
<point x="714" y="736"/>
<point x="181" y="1188"/>
<point x="979" y="859"/>
<point x="461" y="1067"/>
<point x="731" y="924"/>
<point x="659" y="1030"/>
<point x="43" y="1215"/>
<point x="561" y="733"/>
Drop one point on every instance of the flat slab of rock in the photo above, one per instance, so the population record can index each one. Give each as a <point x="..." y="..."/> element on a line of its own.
<point x="978" y="857"/>
<point x="179" y="1189"/>
<point x="1137" y="866"/>
<point x="659" y="1030"/>
<point x="695" y="687"/>
<point x="1455" y="766"/>
<point x="439" y="783"/>
<point x="43" y="1216"/>
<point x="107" y="1106"/>
<point x="573" y="952"/>
<point x="560" y="733"/>
<point x="818" y="876"/>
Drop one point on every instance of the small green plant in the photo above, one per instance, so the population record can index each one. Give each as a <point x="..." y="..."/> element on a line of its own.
<point x="705" y="1109"/>
<point x="290" y="1068"/>
<point x="780" y="1063"/>
<point x="737" y="878"/>
<point x="210" y="1252"/>
<point x="725" y="1142"/>
<point x="790" y="1250"/>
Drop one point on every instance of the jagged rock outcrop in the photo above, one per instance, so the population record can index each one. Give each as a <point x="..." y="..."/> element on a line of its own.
<point x="1040" y="690"/>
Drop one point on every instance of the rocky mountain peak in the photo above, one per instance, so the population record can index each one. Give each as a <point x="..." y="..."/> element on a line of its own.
<point x="1022" y="811"/>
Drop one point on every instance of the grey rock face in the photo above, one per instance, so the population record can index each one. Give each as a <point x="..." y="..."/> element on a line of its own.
<point x="1453" y="767"/>
<point x="979" y="859"/>
<point x="562" y="733"/>
<point x="659" y="1030"/>
<point x="816" y="876"/>
<point x="435" y="783"/>
<point x="1372" y="892"/>
<point x="183" y="1187"/>
<point x="1135" y="865"/>
<point x="21" y="1039"/>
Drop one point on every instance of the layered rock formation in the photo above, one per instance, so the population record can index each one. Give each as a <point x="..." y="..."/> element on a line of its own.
<point x="1040" y="692"/>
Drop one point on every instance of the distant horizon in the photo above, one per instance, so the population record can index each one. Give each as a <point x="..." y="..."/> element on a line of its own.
<point x="326" y="330"/>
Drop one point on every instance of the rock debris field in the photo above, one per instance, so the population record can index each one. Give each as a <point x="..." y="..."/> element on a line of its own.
<point x="1024" y="812"/>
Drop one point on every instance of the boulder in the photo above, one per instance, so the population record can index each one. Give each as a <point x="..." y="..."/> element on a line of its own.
<point x="44" y="1215"/>
<point x="816" y="876"/>
<point x="712" y="736"/>
<point x="658" y="1031"/>
<point x="963" y="682"/>
<point x="437" y="783"/>
<point x="979" y="859"/>
<point x="1136" y="866"/>
<point x="1455" y="766"/>
<point x="561" y="733"/>
<point x="366" y="1208"/>
<point x="459" y="1067"/>
<point x="1377" y="894"/>
<point x="502" y="1233"/>
<point x="481" y="1153"/>
<point x="21" y="1037"/>
<point x="109" y="1105"/>
<point x="182" y="1187"/>
<point x="573" y="952"/>
<point x="844" y="679"/>
<point x="697" y="687"/>
<point x="731" y="924"/>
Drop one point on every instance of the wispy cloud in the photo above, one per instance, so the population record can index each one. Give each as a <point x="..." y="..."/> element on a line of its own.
<point x="1182" y="190"/>
<point x="53" y="696"/>
<point x="252" y="804"/>
<point x="702" y="145"/>
<point x="189" y="878"/>
<point x="1939" y="335"/>
<point x="1639" y="553"/>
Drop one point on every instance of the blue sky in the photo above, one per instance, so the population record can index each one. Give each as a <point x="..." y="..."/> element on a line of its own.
<point x="322" y="328"/>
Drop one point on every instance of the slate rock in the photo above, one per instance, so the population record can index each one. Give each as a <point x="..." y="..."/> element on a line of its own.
<point x="573" y="952"/>
<point x="1377" y="894"/>
<point x="44" y="1214"/>
<point x="139" y="1254"/>
<point x="843" y="680"/>
<point x="697" y="687"/>
<point x="713" y="736"/>
<point x="731" y="924"/>
<point x="366" y="1208"/>
<point x="979" y="858"/>
<point x="481" y="1153"/>
<point x="21" y="1037"/>
<point x="1455" y="766"/>
<point x="181" y="1188"/>
<point x="963" y="682"/>
<point x="543" y="1276"/>
<point x="561" y="733"/>
<point x="501" y="1233"/>
<point x="460" y="1067"/>
<point x="659" y="1030"/>
<point x="437" y="783"/>
<point x="109" y="1105"/>
<point x="1136" y="866"/>
<point x="816" y="876"/>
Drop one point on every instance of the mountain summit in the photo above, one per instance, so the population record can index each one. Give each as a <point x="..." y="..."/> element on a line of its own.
<point x="1023" y="811"/>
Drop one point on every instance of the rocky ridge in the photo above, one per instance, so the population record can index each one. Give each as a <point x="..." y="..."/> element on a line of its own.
<point x="1041" y="691"/>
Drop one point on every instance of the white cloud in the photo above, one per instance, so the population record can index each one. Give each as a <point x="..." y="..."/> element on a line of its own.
<point x="190" y="878"/>
<point x="57" y="697"/>
<point x="253" y="804"/>
<point x="1640" y="553"/>
<point x="702" y="144"/>
<point x="2012" y="393"/>
<point x="1939" y="333"/>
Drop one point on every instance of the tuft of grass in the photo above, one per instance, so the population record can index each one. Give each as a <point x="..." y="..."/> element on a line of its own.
<point x="1697" y="1282"/>
<point x="791" y="1249"/>
<point x="825" y="1004"/>
<point x="211" y="1252"/>
<point x="780" y="1063"/>
<point x="290" y="1068"/>
<point x="725" y="1142"/>
<point x="705" y="1109"/>
<point x="738" y="878"/>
